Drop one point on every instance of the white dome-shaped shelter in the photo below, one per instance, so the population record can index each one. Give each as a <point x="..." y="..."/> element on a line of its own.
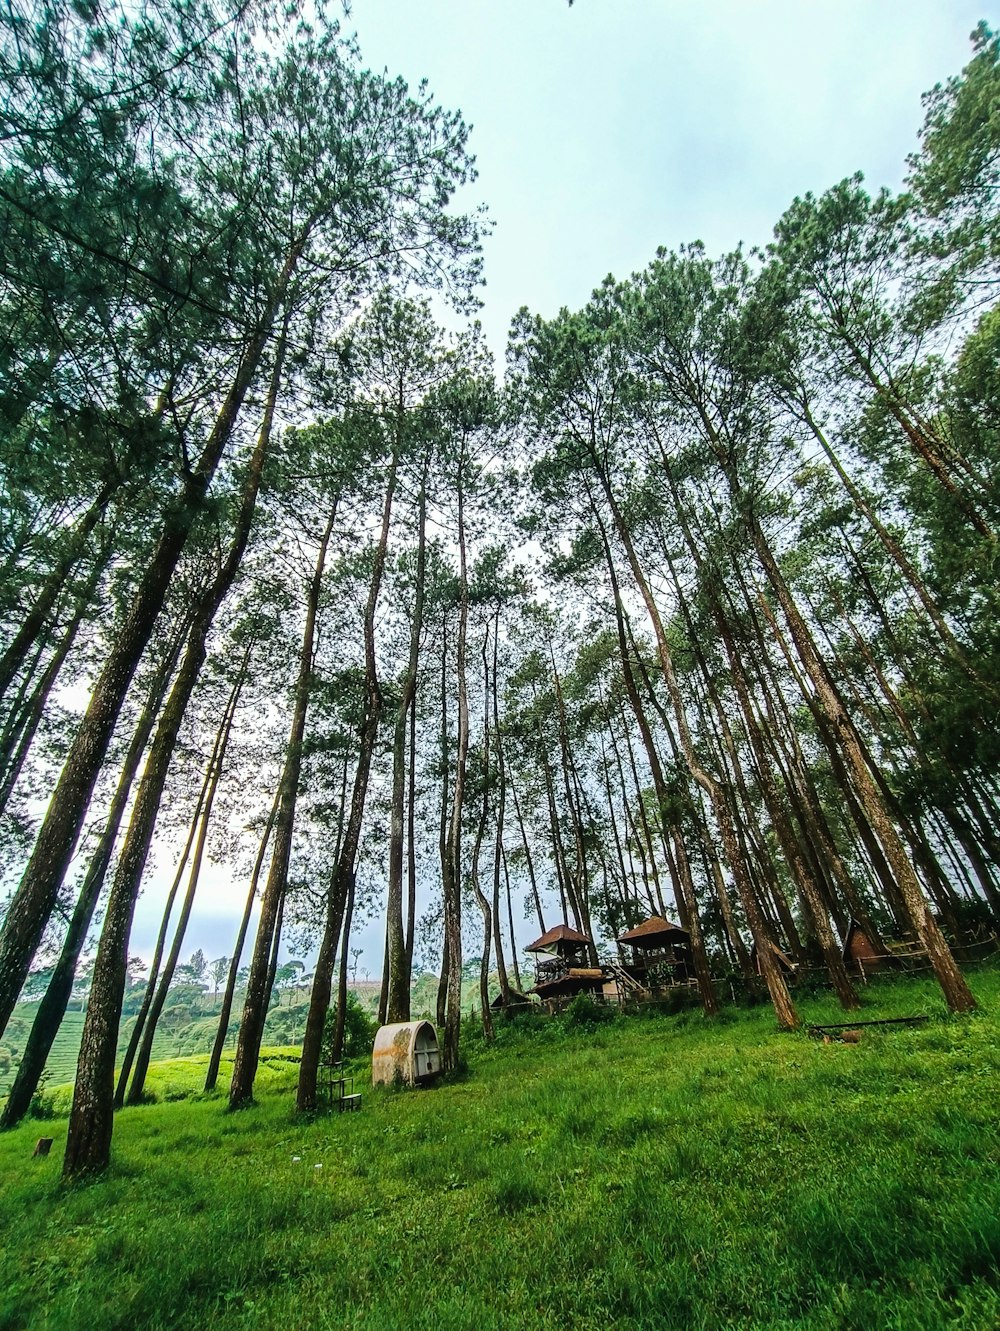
<point x="406" y="1051"/>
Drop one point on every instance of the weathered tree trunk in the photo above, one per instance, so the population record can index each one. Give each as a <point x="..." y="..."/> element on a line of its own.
<point x="52" y="1008"/>
<point x="258" y="994"/>
<point x="216" y="764"/>
<point x="222" y="1032"/>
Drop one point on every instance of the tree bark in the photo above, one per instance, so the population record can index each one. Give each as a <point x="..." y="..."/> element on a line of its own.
<point x="52" y="1008"/>
<point x="257" y="995"/>
<point x="29" y="910"/>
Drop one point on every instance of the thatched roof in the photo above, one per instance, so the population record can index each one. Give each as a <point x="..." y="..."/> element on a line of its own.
<point x="560" y="934"/>
<point x="654" y="932"/>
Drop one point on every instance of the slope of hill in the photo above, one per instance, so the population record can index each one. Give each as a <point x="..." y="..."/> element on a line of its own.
<point x="642" y="1173"/>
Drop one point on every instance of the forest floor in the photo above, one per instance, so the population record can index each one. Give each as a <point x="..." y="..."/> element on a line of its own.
<point x="647" y="1172"/>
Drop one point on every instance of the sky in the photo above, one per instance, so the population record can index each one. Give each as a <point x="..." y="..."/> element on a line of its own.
<point x="610" y="128"/>
<point x="605" y="130"/>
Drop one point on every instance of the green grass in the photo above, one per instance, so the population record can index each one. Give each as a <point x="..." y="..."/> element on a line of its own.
<point x="194" y="1036"/>
<point x="646" y="1173"/>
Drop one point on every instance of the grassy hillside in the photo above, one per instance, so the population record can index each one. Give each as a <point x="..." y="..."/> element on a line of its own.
<point x="195" y="1034"/>
<point x="643" y="1173"/>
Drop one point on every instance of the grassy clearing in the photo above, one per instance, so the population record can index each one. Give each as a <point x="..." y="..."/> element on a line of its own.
<point x="647" y="1173"/>
<point x="194" y="1036"/>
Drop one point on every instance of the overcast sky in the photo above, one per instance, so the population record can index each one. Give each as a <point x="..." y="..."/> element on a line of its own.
<point x="607" y="129"/>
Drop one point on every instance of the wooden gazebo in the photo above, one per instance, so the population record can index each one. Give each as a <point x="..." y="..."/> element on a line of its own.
<point x="661" y="953"/>
<point x="562" y="964"/>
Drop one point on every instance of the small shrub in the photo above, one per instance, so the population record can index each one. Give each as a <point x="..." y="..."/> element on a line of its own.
<point x="43" y="1102"/>
<point x="583" y="1011"/>
<point x="359" y="1030"/>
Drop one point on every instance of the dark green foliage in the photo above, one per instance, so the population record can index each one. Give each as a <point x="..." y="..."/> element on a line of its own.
<point x="583" y="1011"/>
<point x="359" y="1030"/>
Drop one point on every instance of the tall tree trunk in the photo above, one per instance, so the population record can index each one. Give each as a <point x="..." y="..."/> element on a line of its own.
<point x="411" y="853"/>
<point x="161" y="941"/>
<point x="684" y="881"/>
<point x="529" y="863"/>
<point x="341" y="897"/>
<point x="481" y="898"/>
<point x="777" y="988"/>
<point x="258" y="994"/>
<point x="222" y="1031"/>
<point x="453" y="858"/>
<point x="216" y="764"/>
<point x="498" y="831"/>
<point x="42" y="605"/>
<point x="957" y="993"/>
<point x="29" y="910"/>
<point x="22" y="732"/>
<point x="52" y="1008"/>
<point x="398" y="1006"/>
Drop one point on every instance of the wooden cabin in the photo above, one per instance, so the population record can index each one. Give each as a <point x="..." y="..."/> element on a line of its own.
<point x="562" y="965"/>
<point x="661" y="954"/>
<point x="861" y="954"/>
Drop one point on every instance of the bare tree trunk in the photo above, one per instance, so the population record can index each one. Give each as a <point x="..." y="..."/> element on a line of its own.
<point x="341" y="897"/>
<point x="22" y="732"/>
<point x="52" y="1008"/>
<point x="257" y="995"/>
<point x="33" y="622"/>
<point x="498" y="832"/>
<point x="216" y="764"/>
<point x="527" y="859"/>
<point x="453" y="858"/>
<point x="777" y="988"/>
<point x="29" y="911"/>
<point x="215" y="1058"/>
<point x="398" y="1005"/>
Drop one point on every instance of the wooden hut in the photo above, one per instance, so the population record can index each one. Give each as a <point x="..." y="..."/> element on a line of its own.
<point x="661" y="954"/>
<point x="562" y="964"/>
<point x="861" y="954"/>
